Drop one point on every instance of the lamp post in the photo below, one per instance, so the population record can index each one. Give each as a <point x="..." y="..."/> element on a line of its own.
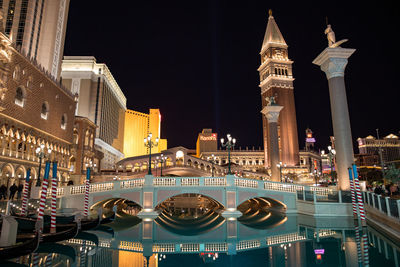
<point x="212" y="160"/>
<point x="41" y="155"/>
<point x="229" y="145"/>
<point x="149" y="144"/>
<point x="331" y="156"/>
<point x="162" y="160"/>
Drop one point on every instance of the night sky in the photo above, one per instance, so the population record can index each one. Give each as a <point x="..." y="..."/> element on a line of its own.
<point x="197" y="61"/>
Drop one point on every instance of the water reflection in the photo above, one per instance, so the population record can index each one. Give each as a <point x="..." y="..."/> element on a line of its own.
<point x="196" y="236"/>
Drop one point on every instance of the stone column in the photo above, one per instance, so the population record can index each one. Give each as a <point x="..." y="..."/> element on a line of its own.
<point x="272" y="114"/>
<point x="333" y="62"/>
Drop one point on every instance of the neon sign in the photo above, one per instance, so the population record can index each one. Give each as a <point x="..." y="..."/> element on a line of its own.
<point x="212" y="137"/>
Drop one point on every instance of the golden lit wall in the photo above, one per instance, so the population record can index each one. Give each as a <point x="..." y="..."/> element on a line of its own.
<point x="134" y="259"/>
<point x="155" y="123"/>
<point x="137" y="126"/>
<point x="136" y="129"/>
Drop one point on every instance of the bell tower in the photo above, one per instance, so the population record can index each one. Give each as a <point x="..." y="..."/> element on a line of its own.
<point x="276" y="79"/>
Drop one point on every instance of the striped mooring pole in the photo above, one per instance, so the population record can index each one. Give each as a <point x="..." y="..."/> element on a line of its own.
<point x="358" y="193"/>
<point x="53" y="198"/>
<point x="86" y="210"/>
<point x="358" y="242"/>
<point x="25" y="193"/>
<point x="366" y="252"/>
<point x="353" y="193"/>
<point x="44" y="192"/>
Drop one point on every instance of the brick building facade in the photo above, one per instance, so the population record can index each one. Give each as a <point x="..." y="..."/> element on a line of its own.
<point x="34" y="110"/>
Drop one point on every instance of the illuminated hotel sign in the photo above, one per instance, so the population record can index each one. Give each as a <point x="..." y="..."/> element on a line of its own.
<point x="212" y="137"/>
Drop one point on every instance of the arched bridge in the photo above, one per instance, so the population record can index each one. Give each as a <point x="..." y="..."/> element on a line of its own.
<point x="150" y="191"/>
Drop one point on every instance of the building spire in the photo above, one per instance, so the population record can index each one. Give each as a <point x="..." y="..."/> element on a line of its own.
<point x="273" y="36"/>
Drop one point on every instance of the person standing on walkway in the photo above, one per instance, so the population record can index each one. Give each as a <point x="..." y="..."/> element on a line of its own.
<point x="19" y="190"/>
<point x="3" y="192"/>
<point x="13" y="189"/>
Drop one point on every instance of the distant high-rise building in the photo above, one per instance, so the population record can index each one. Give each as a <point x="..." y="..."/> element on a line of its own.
<point x="389" y="145"/>
<point x="37" y="28"/>
<point x="101" y="100"/>
<point x="276" y="79"/>
<point x="137" y="127"/>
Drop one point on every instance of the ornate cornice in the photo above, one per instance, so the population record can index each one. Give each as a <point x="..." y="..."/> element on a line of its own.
<point x="333" y="61"/>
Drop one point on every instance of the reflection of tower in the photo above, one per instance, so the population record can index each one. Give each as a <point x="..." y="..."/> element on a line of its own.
<point x="276" y="80"/>
<point x="310" y="140"/>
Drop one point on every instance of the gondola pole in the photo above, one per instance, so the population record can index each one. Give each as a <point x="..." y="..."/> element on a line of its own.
<point x="53" y="199"/>
<point x="43" y="195"/>
<point x="358" y="194"/>
<point x="87" y="185"/>
<point x="353" y="194"/>
<point x="25" y="193"/>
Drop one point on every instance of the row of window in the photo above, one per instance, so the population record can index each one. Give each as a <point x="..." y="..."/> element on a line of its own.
<point x="20" y="98"/>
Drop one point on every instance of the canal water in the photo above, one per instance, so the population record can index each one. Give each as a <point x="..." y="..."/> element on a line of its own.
<point x="261" y="238"/>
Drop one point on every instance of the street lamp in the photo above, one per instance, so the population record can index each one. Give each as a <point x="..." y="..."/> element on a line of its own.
<point x="161" y="160"/>
<point x="279" y="165"/>
<point x="212" y="160"/>
<point x="331" y="156"/>
<point x="149" y="144"/>
<point x="41" y="155"/>
<point x="229" y="145"/>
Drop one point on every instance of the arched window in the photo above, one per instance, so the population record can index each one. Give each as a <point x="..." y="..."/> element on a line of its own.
<point x="29" y="82"/>
<point x="87" y="136"/>
<point x="286" y="72"/>
<point x="276" y="71"/>
<point x="64" y="121"/>
<point x="44" y="114"/>
<point x="17" y="73"/>
<point x="20" y="96"/>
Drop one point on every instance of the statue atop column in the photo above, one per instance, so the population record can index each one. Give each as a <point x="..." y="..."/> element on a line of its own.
<point x="330" y="35"/>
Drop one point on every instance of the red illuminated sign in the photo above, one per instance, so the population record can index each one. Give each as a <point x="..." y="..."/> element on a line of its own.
<point x="212" y="137"/>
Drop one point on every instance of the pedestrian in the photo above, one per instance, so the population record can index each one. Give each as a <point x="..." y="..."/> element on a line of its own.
<point x="3" y="192"/>
<point x="19" y="190"/>
<point x="13" y="189"/>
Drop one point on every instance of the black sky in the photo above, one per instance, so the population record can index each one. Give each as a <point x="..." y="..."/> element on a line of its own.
<point x="197" y="61"/>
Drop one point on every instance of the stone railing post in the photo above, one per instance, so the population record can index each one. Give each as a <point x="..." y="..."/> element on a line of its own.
<point x="178" y="181"/>
<point x="315" y="197"/>
<point x="398" y="207"/>
<point x="340" y="196"/>
<point x="387" y="206"/>
<point x="304" y="194"/>
<point x="373" y="200"/>
<point x="379" y="203"/>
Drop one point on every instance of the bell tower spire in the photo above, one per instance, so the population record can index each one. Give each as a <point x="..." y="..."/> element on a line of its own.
<point x="276" y="79"/>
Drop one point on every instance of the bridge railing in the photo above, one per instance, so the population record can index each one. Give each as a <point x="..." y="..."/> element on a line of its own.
<point x="320" y="192"/>
<point x="387" y="205"/>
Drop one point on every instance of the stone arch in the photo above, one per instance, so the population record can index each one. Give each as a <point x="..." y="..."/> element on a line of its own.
<point x="189" y="162"/>
<point x="7" y="173"/>
<point x="20" y="172"/>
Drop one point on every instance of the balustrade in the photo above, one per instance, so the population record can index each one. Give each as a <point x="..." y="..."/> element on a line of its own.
<point x="190" y="181"/>
<point x="214" y="181"/>
<point x="246" y="183"/>
<point x="132" y="183"/>
<point x="387" y="205"/>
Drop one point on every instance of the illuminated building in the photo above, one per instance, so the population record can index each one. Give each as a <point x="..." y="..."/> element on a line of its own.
<point x="390" y="146"/>
<point x="309" y="158"/>
<point x="35" y="111"/>
<point x="37" y="28"/>
<point x="207" y="141"/>
<point x="137" y="127"/>
<point x="83" y="148"/>
<point x="101" y="101"/>
<point x="276" y="79"/>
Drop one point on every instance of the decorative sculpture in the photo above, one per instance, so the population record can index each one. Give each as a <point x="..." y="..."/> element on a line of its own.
<point x="330" y="35"/>
<point x="271" y="100"/>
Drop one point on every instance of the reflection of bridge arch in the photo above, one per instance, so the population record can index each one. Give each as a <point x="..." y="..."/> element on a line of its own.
<point x="217" y="200"/>
<point x="109" y="203"/>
